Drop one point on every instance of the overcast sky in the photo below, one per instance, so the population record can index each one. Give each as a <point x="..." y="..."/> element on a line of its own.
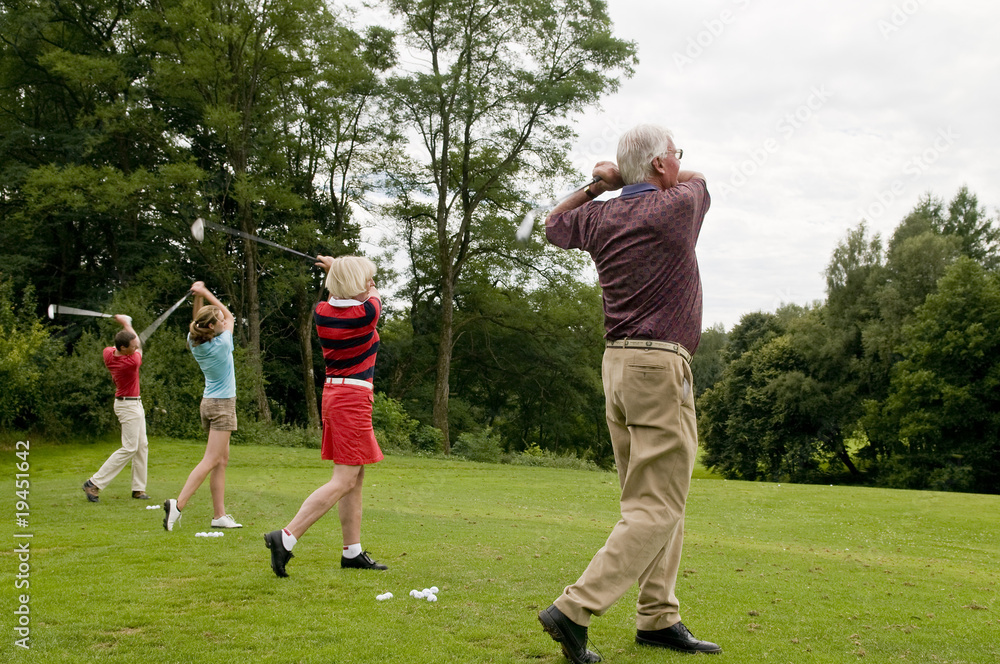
<point x="807" y="117"/>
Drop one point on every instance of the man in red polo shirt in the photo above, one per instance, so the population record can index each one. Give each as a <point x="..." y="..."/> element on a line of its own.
<point x="123" y="361"/>
<point x="643" y="244"/>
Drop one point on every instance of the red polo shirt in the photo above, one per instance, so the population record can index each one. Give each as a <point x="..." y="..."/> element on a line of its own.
<point x="124" y="371"/>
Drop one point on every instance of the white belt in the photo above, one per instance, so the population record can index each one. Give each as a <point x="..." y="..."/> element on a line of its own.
<point x="349" y="381"/>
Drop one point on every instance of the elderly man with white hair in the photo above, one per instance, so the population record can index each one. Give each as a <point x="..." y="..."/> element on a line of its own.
<point x="643" y="244"/>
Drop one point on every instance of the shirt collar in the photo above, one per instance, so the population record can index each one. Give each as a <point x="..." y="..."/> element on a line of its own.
<point x="334" y="302"/>
<point x="636" y="189"/>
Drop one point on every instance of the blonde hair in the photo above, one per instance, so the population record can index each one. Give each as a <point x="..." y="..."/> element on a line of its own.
<point x="201" y="327"/>
<point x="349" y="276"/>
<point x="638" y="147"/>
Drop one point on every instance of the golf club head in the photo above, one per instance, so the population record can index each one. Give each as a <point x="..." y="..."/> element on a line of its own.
<point x="52" y="311"/>
<point x="198" y="229"/>
<point x="527" y="225"/>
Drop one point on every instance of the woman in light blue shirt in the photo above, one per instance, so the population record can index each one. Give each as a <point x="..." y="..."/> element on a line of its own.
<point x="210" y="337"/>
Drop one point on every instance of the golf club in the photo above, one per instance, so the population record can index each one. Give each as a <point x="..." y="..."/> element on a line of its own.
<point x="145" y="334"/>
<point x="198" y="233"/>
<point x="73" y="311"/>
<point x="528" y="223"/>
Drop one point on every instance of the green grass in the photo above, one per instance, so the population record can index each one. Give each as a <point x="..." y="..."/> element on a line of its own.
<point x="782" y="573"/>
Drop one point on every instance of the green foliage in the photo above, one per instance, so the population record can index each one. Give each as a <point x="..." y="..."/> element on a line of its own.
<point x="25" y="353"/>
<point x="943" y="406"/>
<point x="484" y="446"/>
<point x="709" y="361"/>
<point x="393" y="427"/>
<point x="427" y="439"/>
<point x="536" y="456"/>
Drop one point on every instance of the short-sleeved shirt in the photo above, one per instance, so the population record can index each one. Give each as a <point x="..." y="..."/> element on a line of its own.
<point x="347" y="334"/>
<point x="643" y="244"/>
<point x="124" y="371"/>
<point x="215" y="358"/>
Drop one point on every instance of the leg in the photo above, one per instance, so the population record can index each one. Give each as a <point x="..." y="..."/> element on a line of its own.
<point x="349" y="510"/>
<point x="322" y="500"/>
<point x="644" y="391"/>
<point x="140" y="461"/>
<point x="218" y="446"/>
<point x="217" y="482"/>
<point x="130" y="420"/>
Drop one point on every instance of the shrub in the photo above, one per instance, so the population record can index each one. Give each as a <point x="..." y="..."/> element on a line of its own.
<point x="483" y="445"/>
<point x="393" y="427"/>
<point x="253" y="432"/>
<point x="427" y="439"/>
<point x="536" y="456"/>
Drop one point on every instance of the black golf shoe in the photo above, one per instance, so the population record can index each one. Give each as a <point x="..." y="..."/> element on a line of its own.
<point x="676" y="637"/>
<point x="572" y="637"/>
<point x="362" y="561"/>
<point x="279" y="554"/>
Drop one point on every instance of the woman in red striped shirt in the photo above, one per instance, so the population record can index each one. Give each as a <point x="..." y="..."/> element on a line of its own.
<point x="347" y="334"/>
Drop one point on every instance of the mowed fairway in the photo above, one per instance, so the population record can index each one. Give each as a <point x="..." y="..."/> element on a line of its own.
<point x="776" y="573"/>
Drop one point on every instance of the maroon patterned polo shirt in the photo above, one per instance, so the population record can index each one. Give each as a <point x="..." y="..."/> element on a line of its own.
<point x="643" y="244"/>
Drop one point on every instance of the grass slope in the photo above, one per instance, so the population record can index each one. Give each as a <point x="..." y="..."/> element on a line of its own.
<point x="781" y="573"/>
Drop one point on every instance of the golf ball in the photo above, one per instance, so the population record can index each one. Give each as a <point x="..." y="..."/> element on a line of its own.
<point x="432" y="598"/>
<point x="434" y="590"/>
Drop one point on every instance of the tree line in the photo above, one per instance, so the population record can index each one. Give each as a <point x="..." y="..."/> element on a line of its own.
<point x="123" y="122"/>
<point x="893" y="380"/>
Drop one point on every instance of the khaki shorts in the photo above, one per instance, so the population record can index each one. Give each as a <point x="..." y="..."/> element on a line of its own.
<point x="218" y="414"/>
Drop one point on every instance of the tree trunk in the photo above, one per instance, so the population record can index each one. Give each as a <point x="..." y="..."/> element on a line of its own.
<point x="442" y="383"/>
<point x="304" y="329"/>
<point x="253" y="319"/>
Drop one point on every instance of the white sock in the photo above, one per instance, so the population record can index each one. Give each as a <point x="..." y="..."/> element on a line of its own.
<point x="352" y="551"/>
<point x="288" y="540"/>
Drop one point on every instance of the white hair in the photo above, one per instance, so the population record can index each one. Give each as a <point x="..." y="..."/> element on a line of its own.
<point x="638" y="147"/>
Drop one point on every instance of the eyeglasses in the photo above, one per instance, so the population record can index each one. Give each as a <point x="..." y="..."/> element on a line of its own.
<point x="679" y="153"/>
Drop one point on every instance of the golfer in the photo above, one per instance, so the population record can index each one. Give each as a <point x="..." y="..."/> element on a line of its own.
<point x="346" y="327"/>
<point x="123" y="361"/>
<point x="643" y="244"/>
<point x="210" y="337"/>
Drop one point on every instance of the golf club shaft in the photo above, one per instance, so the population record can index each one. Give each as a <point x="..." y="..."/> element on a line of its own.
<point x="60" y="309"/>
<point x="255" y="238"/>
<point x="145" y="334"/>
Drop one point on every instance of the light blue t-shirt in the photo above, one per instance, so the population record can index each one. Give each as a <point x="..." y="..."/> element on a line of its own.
<point x="215" y="358"/>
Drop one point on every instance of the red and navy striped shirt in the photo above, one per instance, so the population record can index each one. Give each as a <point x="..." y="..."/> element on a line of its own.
<point x="348" y="337"/>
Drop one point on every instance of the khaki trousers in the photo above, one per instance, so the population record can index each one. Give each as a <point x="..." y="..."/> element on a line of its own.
<point x="135" y="447"/>
<point x="650" y="411"/>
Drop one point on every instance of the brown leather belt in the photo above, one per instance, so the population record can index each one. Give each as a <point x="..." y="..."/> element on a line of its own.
<point x="651" y="344"/>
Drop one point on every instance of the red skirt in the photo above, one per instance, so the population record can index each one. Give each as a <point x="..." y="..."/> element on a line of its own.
<point x="348" y="437"/>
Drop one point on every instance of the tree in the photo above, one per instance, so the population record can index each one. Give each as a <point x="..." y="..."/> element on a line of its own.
<point x="488" y="114"/>
<point x="943" y="409"/>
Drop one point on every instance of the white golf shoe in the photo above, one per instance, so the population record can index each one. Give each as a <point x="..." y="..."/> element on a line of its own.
<point x="226" y="521"/>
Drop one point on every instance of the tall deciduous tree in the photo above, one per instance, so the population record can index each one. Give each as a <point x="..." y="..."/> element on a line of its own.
<point x="488" y="109"/>
<point x="943" y="409"/>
